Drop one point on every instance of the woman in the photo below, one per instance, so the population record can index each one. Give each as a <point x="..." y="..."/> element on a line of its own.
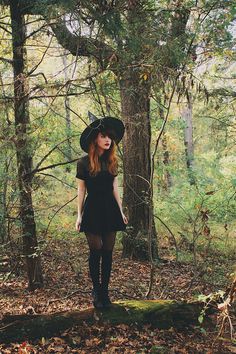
<point x="100" y="215"/>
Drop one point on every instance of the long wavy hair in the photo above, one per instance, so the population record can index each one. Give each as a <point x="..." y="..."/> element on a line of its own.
<point x="110" y="155"/>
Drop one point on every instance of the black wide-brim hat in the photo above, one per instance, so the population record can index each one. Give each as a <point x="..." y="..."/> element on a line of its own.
<point x="112" y="124"/>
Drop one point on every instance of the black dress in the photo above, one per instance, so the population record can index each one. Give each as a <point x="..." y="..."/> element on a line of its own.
<point x="100" y="212"/>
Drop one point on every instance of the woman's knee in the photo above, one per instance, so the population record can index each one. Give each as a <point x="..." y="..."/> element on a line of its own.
<point x="94" y="241"/>
<point x="108" y="241"/>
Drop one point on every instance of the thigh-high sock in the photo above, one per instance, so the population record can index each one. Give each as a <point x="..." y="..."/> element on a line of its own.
<point x="108" y="240"/>
<point x="95" y="245"/>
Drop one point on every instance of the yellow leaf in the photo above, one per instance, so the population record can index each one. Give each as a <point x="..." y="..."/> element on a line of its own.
<point x="145" y="76"/>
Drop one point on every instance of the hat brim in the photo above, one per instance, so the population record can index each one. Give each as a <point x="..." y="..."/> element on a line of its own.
<point x="106" y="123"/>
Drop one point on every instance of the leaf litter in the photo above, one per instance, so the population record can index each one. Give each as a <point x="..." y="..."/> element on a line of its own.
<point x="67" y="287"/>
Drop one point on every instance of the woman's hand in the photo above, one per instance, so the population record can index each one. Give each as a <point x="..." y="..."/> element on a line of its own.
<point x="124" y="218"/>
<point x="78" y="223"/>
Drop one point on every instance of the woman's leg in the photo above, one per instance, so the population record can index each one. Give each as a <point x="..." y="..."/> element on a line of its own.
<point x="108" y="242"/>
<point x="95" y="246"/>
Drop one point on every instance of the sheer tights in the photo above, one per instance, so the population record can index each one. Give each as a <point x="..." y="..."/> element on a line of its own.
<point x="101" y="247"/>
<point x="105" y="241"/>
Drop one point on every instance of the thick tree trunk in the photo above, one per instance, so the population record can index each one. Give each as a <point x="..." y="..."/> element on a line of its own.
<point x="135" y="105"/>
<point x="187" y="115"/>
<point x="23" y="149"/>
<point x="161" y="314"/>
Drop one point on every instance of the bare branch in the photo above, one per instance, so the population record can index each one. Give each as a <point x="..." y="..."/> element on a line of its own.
<point x="40" y="61"/>
<point x="9" y="61"/>
<point x="52" y="166"/>
<point x="11" y="98"/>
<point x="36" y="169"/>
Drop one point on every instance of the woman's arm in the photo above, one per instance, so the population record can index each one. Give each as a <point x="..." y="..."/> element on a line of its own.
<point x="117" y="197"/>
<point x="80" y="200"/>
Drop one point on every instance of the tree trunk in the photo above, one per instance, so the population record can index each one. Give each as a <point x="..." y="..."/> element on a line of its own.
<point x="5" y="163"/>
<point x="68" y="150"/>
<point x="161" y="314"/>
<point x="23" y="148"/>
<point x="166" y="161"/>
<point x="166" y="155"/>
<point x="3" y="199"/>
<point x="187" y="115"/>
<point x="135" y="106"/>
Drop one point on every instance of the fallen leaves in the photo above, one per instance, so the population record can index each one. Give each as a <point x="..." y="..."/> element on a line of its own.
<point x="66" y="290"/>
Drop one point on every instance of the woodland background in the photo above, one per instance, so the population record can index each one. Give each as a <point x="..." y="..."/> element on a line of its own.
<point x="167" y="69"/>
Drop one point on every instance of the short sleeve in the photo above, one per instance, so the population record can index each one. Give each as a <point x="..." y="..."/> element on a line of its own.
<point x="81" y="170"/>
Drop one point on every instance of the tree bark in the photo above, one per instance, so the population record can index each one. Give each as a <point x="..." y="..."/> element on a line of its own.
<point x="135" y="106"/>
<point x="162" y="314"/>
<point x="166" y="155"/>
<point x="23" y="148"/>
<point x="187" y="115"/>
<point x="68" y="150"/>
<point x="3" y="200"/>
<point x="166" y="161"/>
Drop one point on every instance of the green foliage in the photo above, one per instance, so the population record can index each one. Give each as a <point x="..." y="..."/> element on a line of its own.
<point x="151" y="39"/>
<point x="207" y="300"/>
<point x="202" y="215"/>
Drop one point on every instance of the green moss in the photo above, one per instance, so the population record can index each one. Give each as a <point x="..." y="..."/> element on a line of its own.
<point x="131" y="311"/>
<point x="145" y="304"/>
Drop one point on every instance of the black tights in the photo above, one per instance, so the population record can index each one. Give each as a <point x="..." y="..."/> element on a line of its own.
<point x="101" y="247"/>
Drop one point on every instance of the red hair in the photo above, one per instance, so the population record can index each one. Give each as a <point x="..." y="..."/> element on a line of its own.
<point x="111" y="157"/>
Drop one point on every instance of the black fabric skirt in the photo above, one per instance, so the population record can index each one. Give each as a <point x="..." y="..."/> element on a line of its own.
<point x="101" y="214"/>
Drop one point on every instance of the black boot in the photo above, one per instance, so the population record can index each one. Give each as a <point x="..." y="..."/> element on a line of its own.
<point x="105" y="277"/>
<point x="97" y="298"/>
<point x="105" y="298"/>
<point x="94" y="268"/>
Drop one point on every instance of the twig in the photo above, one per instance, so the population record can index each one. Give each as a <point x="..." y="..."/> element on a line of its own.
<point x="173" y="236"/>
<point x="225" y="312"/>
<point x="9" y="274"/>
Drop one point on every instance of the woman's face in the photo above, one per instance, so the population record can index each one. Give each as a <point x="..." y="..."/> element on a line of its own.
<point x="103" y="141"/>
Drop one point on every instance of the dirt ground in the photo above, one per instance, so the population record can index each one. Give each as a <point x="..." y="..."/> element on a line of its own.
<point x="68" y="287"/>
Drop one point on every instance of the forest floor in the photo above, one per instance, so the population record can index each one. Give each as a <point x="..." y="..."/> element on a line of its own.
<point x="68" y="287"/>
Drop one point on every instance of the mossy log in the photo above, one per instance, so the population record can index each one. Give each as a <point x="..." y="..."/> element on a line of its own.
<point x="161" y="314"/>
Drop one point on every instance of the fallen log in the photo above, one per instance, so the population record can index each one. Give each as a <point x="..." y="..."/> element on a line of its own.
<point x="161" y="314"/>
